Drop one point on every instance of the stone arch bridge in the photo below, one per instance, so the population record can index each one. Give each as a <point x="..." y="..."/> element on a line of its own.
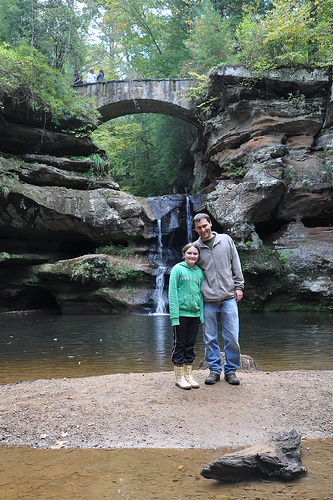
<point x="126" y="97"/>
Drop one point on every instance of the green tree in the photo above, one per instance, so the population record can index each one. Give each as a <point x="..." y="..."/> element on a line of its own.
<point x="321" y="49"/>
<point x="147" y="35"/>
<point x="148" y="154"/>
<point x="234" y="11"/>
<point x="18" y="20"/>
<point x="210" y="42"/>
<point x="62" y="31"/>
<point x="26" y="78"/>
<point x="280" y="38"/>
<point x="57" y="28"/>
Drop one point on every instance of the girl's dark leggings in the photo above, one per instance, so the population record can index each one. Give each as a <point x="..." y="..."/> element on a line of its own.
<point x="184" y="338"/>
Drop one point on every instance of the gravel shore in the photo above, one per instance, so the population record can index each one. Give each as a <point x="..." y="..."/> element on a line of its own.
<point x="147" y="410"/>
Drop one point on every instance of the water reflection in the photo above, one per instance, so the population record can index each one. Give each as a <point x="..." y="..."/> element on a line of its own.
<point x="288" y="341"/>
<point x="78" y="346"/>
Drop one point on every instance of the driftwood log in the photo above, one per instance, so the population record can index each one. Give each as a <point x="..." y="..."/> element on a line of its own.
<point x="247" y="363"/>
<point x="277" y="457"/>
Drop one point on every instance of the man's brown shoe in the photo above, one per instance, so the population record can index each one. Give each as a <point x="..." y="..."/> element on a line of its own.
<point x="231" y="379"/>
<point x="212" y="378"/>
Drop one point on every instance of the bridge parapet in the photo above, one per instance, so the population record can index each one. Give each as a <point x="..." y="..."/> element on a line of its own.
<point x="122" y="97"/>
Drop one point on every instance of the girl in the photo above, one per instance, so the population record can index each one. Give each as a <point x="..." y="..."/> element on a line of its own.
<point x="186" y="312"/>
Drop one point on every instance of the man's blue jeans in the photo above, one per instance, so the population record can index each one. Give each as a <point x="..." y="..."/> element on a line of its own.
<point x="227" y="312"/>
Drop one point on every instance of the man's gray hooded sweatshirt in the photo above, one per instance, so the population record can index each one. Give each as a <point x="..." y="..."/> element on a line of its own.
<point x="221" y="267"/>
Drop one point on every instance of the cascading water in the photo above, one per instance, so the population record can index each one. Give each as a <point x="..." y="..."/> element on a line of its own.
<point x="189" y="226"/>
<point x="164" y="250"/>
<point x="159" y="240"/>
<point x="160" y="299"/>
<point x="172" y="229"/>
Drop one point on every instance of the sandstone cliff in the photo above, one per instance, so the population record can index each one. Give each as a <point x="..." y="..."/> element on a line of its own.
<point x="266" y="165"/>
<point x="263" y="172"/>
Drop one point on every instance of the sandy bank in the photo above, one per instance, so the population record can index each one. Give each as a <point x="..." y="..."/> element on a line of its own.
<point x="148" y="410"/>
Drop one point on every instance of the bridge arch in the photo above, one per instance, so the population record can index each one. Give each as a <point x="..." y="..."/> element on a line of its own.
<point x="128" y="97"/>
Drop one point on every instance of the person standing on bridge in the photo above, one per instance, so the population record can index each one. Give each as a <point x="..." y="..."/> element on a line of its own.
<point x="91" y="77"/>
<point x="77" y="78"/>
<point x="100" y="76"/>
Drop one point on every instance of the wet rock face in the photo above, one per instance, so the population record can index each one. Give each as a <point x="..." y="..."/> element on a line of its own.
<point x="49" y="217"/>
<point x="79" y="244"/>
<point x="99" y="284"/>
<point x="310" y="258"/>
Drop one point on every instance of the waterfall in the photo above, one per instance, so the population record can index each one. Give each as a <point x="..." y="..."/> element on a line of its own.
<point x="159" y="241"/>
<point x="160" y="299"/>
<point x="189" y="225"/>
<point x="173" y="212"/>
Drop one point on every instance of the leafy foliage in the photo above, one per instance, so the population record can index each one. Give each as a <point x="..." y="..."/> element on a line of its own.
<point x="120" y="250"/>
<point x="233" y="11"/>
<point x="209" y="42"/>
<point x="197" y="94"/>
<point x="25" y="77"/>
<point x="56" y="28"/>
<point x="155" y="38"/>
<point x="99" y="166"/>
<point x="291" y="34"/>
<point x="146" y="152"/>
<point x="233" y="171"/>
<point x="147" y="36"/>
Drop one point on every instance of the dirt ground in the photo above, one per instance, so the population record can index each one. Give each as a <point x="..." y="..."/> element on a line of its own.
<point x="147" y="410"/>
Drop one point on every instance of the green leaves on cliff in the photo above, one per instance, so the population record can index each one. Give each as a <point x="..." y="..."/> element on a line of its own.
<point x="26" y="78"/>
<point x="100" y="269"/>
<point x="209" y="41"/>
<point x="290" y="34"/>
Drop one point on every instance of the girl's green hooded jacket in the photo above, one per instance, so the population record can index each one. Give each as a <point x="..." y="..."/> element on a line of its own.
<point x="185" y="297"/>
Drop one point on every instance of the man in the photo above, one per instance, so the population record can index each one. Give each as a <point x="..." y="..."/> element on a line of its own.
<point x="222" y="289"/>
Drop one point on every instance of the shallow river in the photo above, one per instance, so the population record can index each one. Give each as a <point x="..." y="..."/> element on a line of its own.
<point x="150" y="474"/>
<point x="34" y="347"/>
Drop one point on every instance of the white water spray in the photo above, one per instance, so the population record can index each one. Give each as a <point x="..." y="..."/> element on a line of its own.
<point x="189" y="226"/>
<point x="160" y="299"/>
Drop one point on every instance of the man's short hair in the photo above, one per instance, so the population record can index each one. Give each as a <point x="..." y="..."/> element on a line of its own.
<point x="200" y="217"/>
